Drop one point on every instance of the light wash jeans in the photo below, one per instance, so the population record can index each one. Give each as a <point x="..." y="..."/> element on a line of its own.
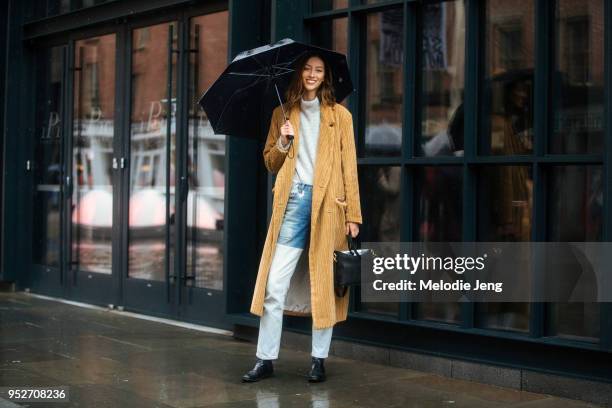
<point x="290" y="244"/>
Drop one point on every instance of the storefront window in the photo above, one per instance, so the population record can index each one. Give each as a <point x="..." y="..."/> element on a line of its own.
<point x="439" y="215"/>
<point x="576" y="193"/>
<point x="501" y="190"/>
<point x="507" y="100"/>
<point x="505" y="198"/>
<point x="327" y="5"/>
<point x="442" y="78"/>
<point x="382" y="214"/>
<point x="578" y="87"/>
<point x="384" y="83"/>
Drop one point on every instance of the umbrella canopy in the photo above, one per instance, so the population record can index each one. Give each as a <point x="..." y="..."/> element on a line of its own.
<point x="240" y="102"/>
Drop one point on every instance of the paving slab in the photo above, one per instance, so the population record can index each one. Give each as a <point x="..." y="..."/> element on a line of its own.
<point x="115" y="360"/>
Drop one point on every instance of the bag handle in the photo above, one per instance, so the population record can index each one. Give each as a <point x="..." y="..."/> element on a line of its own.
<point x="351" y="245"/>
<point x="340" y="291"/>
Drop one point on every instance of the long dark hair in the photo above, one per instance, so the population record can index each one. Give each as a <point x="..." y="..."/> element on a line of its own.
<point x="295" y="90"/>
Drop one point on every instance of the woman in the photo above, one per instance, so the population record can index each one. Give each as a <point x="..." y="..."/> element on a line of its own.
<point x="316" y="205"/>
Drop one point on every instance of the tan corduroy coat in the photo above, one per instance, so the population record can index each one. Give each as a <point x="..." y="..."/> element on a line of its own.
<point x="335" y="200"/>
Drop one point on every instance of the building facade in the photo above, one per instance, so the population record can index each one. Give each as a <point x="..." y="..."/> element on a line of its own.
<point x="475" y="120"/>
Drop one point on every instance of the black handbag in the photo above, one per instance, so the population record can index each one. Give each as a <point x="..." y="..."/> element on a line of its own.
<point x="347" y="267"/>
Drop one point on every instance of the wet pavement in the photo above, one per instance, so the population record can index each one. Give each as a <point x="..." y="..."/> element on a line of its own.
<point x="108" y="359"/>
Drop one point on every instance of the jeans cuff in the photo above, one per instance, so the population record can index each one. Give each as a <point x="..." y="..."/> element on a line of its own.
<point x="265" y="358"/>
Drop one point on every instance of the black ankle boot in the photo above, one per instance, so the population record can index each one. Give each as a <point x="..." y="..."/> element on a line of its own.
<point x="317" y="370"/>
<point x="262" y="369"/>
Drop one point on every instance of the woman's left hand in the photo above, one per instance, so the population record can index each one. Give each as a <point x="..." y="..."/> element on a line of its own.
<point x="353" y="228"/>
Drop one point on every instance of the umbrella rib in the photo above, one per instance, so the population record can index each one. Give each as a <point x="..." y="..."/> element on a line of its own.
<point x="263" y="66"/>
<point x="248" y="74"/>
<point x="296" y="57"/>
<point x="256" y="82"/>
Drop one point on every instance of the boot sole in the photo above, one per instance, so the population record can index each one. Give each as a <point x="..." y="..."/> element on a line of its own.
<point x="251" y="380"/>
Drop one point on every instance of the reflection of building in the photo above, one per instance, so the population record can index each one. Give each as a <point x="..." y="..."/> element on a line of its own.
<point x="94" y="171"/>
<point x="116" y="191"/>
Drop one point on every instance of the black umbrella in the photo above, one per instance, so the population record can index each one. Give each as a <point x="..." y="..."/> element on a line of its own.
<point x="242" y="99"/>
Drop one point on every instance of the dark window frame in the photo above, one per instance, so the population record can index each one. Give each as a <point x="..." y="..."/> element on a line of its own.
<point x="539" y="161"/>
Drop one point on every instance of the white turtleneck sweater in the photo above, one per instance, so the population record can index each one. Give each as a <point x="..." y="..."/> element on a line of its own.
<point x="310" y="119"/>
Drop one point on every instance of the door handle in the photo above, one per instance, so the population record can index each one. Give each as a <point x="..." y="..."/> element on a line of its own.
<point x="184" y="188"/>
<point x="68" y="186"/>
<point x="118" y="164"/>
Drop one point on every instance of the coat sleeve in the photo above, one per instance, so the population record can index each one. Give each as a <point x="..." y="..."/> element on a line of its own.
<point x="273" y="157"/>
<point x="349" y="169"/>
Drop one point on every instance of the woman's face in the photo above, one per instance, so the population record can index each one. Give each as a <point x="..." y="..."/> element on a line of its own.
<point x="313" y="74"/>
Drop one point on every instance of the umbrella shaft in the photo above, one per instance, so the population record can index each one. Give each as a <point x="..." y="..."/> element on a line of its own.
<point x="281" y="102"/>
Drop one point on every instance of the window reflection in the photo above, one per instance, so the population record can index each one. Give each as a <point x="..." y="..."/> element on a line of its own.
<point x="505" y="208"/>
<point x="384" y="83"/>
<point x="439" y="203"/>
<point x="153" y="154"/>
<point x="578" y="90"/>
<point x="327" y="5"/>
<point x="92" y="151"/>
<point x="442" y="65"/>
<point x="206" y="156"/>
<point x="48" y="145"/>
<point x="381" y="215"/>
<point x="55" y="7"/>
<point x="507" y="104"/>
<point x="439" y="212"/>
<point x="505" y="203"/>
<point x="576" y="193"/>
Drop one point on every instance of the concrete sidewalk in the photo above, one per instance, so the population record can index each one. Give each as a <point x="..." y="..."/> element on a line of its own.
<point x="112" y="360"/>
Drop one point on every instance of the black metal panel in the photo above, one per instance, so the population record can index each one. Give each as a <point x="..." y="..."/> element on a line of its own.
<point x="105" y="14"/>
<point x="5" y="36"/>
<point x="543" y="20"/>
<point x="288" y="19"/>
<point x="246" y="187"/>
<point x="16" y="225"/>
<point x="606" y="308"/>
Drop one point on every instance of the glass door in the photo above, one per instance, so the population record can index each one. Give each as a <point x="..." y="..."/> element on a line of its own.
<point x="202" y="286"/>
<point x="93" y="164"/>
<point x="129" y="177"/>
<point x="47" y="171"/>
<point x="150" y="279"/>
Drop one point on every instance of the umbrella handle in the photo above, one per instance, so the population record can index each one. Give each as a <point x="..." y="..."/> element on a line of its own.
<point x="290" y="137"/>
